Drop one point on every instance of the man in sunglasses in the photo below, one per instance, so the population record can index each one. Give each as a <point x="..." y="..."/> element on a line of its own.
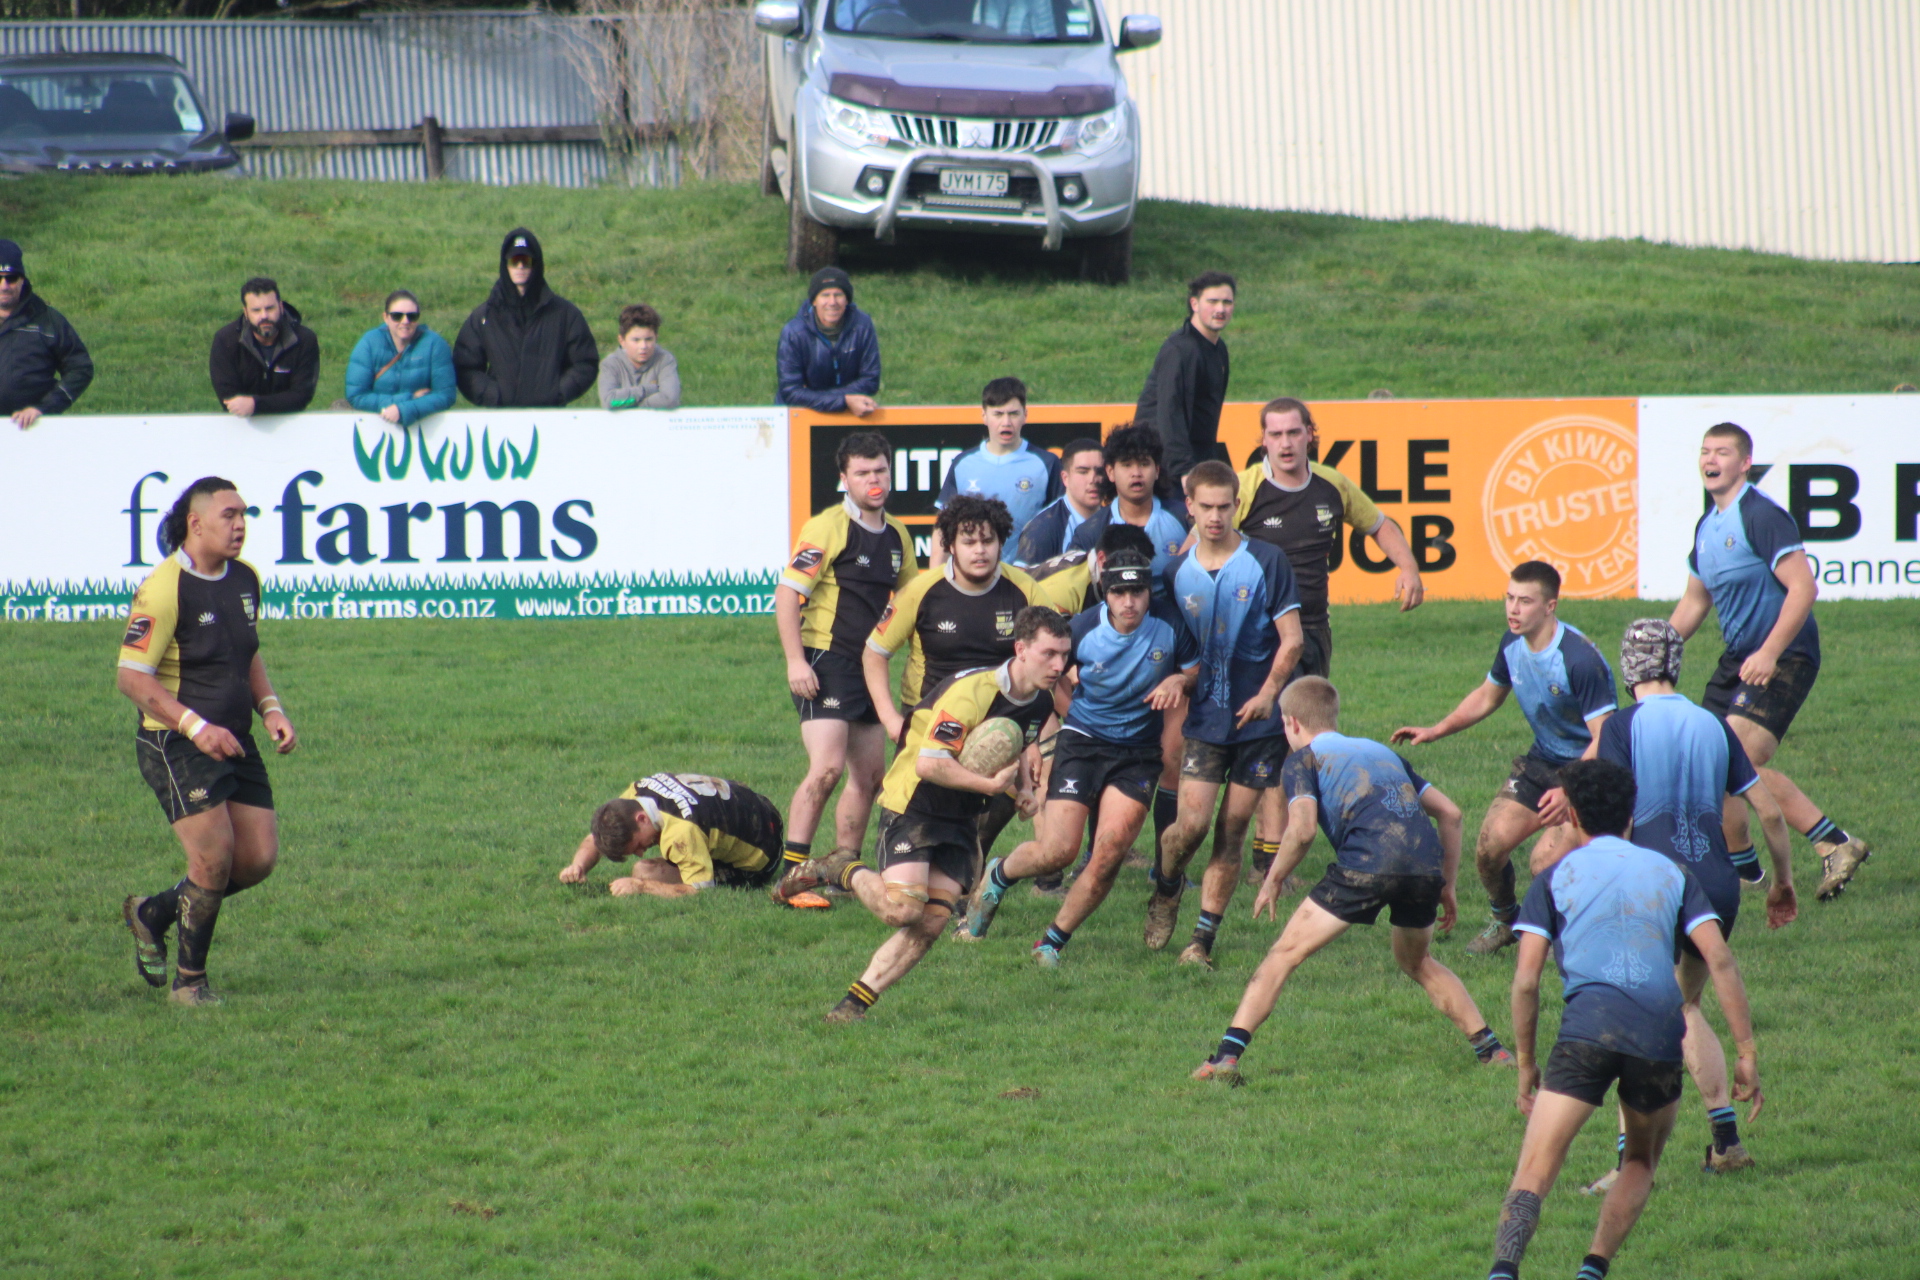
<point x="43" y="364"/>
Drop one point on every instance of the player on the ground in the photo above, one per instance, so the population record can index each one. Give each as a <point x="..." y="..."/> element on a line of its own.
<point x="708" y="831"/>
<point x="849" y="561"/>
<point x="1614" y="914"/>
<point x="1686" y="763"/>
<point x="1083" y="476"/>
<point x="1566" y="693"/>
<point x="1748" y="565"/>
<point x="1004" y="465"/>
<point x="932" y="803"/>
<point x="190" y="661"/>
<point x="1132" y="665"/>
<point x="1237" y="598"/>
<point x="1375" y="810"/>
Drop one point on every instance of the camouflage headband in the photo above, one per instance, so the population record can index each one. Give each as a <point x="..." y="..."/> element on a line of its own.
<point x="1650" y="650"/>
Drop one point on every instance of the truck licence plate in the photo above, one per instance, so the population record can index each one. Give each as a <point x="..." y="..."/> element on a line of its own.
<point x="972" y="182"/>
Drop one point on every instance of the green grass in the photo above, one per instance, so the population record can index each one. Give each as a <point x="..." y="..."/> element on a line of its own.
<point x="437" y="1061"/>
<point x="1330" y="307"/>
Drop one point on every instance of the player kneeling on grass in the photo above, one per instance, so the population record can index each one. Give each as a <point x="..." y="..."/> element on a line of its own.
<point x="708" y="831"/>
<point x="1374" y="808"/>
<point x="1613" y="913"/>
<point x="1132" y="665"/>
<point x="933" y="798"/>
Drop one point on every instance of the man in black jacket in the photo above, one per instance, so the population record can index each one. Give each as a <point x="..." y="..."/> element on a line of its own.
<point x="266" y="361"/>
<point x="43" y="364"/>
<point x="525" y="347"/>
<point x="1188" y="383"/>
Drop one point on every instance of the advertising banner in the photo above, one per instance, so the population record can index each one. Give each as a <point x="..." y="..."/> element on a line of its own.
<point x="1846" y="467"/>
<point x="494" y="514"/>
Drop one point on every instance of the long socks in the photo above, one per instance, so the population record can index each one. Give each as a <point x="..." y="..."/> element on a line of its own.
<point x="1726" y="1127"/>
<point x="199" y="912"/>
<point x="1825" y="832"/>
<point x="1204" y="930"/>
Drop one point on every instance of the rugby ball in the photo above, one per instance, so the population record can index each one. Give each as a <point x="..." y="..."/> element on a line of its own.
<point x="992" y="746"/>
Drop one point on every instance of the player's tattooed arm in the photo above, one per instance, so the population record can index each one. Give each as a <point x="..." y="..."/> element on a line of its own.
<point x="1473" y="708"/>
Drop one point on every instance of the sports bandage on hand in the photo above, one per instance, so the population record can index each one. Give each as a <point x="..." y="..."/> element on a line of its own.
<point x="192" y="723"/>
<point x="269" y="705"/>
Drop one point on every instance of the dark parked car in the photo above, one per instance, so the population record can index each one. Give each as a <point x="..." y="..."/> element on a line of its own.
<point x="109" y="113"/>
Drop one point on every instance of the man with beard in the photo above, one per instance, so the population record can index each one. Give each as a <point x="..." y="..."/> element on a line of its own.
<point x="266" y="361"/>
<point x="525" y="347"/>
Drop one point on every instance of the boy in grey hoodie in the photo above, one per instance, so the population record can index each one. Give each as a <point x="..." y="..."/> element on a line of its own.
<point x="640" y="374"/>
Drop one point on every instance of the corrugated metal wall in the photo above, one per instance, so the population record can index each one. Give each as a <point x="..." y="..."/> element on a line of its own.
<point x="466" y="70"/>
<point x="1784" y="125"/>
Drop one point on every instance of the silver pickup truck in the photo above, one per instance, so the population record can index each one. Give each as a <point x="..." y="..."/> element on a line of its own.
<point x="998" y="116"/>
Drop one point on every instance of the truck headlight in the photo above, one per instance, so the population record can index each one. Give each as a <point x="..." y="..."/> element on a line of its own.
<point x="853" y="125"/>
<point x="1093" y="135"/>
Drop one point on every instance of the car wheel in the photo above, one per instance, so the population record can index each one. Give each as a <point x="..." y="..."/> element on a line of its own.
<point x="810" y="245"/>
<point x="1107" y="259"/>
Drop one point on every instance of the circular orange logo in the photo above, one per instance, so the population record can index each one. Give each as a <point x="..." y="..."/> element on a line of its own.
<point x="1566" y="491"/>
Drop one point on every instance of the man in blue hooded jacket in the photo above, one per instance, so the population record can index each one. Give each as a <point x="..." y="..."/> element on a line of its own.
<point x="829" y="356"/>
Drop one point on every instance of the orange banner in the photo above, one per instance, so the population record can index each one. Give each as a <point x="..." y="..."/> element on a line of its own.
<point x="1476" y="485"/>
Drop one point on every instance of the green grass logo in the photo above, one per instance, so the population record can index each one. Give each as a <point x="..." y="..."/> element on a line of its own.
<point x="397" y="456"/>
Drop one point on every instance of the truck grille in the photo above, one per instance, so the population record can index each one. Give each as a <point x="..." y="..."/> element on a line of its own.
<point x="955" y="131"/>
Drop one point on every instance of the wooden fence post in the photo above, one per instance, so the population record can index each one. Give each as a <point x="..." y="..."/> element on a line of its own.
<point x="430" y="140"/>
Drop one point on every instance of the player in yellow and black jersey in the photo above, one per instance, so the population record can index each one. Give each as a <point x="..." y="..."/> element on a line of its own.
<point x="931" y="803"/>
<point x="848" y="562"/>
<point x="190" y="661"/>
<point x="708" y="831"/>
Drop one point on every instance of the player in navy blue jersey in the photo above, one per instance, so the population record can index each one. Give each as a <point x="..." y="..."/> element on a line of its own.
<point x="1686" y="762"/>
<point x="1131" y="665"/>
<point x="1236" y="596"/>
<point x="1747" y="564"/>
<point x="1565" y="690"/>
<point x="1612" y="913"/>
<point x="1083" y="479"/>
<point x="1375" y="810"/>
<point x="1004" y="465"/>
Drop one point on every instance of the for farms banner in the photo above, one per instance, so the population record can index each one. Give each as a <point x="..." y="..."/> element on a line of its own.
<point x="1846" y="467"/>
<point x="497" y="514"/>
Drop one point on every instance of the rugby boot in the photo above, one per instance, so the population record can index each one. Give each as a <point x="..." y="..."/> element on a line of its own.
<point x="1053" y="886"/>
<point x="1838" y="862"/>
<point x="196" y="994"/>
<point x="1733" y="1158"/>
<point x="981" y="905"/>
<point x="846" y="1011"/>
<point x="1163" y="913"/>
<point x="813" y="873"/>
<point x="1494" y="937"/>
<point x="1224" y="1071"/>
<point x="149" y="948"/>
<point x="1047" y="957"/>
<point x="1604" y="1183"/>
<point x="1197" y="954"/>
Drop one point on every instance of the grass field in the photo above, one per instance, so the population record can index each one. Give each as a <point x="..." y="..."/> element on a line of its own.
<point x="437" y="1061"/>
<point x="1330" y="307"/>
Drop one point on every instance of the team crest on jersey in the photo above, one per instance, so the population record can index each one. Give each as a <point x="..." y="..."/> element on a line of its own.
<point x="1729" y="542"/>
<point x="1554" y="689"/>
<point x="207" y="619"/>
<point x="807" y="559"/>
<point x="1023" y="484"/>
<point x="246" y="605"/>
<point x="896" y="560"/>
<point x="1003" y="623"/>
<point x="948" y="732"/>
<point x="1325" y="514"/>
<point x="1173" y="548"/>
<point x="139" y="633"/>
<point x="1242" y="594"/>
<point x="1156" y="655"/>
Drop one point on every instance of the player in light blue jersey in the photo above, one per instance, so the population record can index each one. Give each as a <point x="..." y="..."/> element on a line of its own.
<point x="1083" y="478"/>
<point x="1748" y="565"/>
<point x="1565" y="690"/>
<point x="1131" y="665"/>
<point x="1003" y="466"/>
<point x="1612" y="914"/>
<point x="1132" y="457"/>
<point x="1236" y="595"/>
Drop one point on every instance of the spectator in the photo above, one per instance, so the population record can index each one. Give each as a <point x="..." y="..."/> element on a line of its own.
<point x="43" y="364"/>
<point x="400" y="369"/>
<point x="525" y="347"/>
<point x="266" y="361"/>
<point x="1188" y="383"/>
<point x="642" y="374"/>
<point x="829" y="357"/>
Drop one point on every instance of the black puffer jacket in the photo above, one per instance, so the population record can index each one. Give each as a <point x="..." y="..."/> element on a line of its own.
<point x="43" y="363"/>
<point x="281" y="380"/>
<point x="531" y="350"/>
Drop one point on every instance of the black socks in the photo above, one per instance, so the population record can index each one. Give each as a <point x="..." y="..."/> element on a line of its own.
<point x="1484" y="1044"/>
<point x="1232" y="1044"/>
<point x="1205" y="928"/>
<point x="1726" y="1127"/>
<point x="795" y="852"/>
<point x="199" y="912"/>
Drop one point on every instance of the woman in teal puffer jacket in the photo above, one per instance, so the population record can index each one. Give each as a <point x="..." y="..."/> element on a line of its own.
<point x="401" y="369"/>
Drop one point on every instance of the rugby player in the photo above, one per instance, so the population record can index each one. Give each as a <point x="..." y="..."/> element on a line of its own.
<point x="1130" y="665"/>
<point x="931" y="804"/>
<point x="1749" y="566"/>
<point x="1004" y="465"/>
<point x="708" y="831"/>
<point x="1566" y="694"/>
<point x="1083" y="478"/>
<point x="1375" y="810"/>
<point x="1686" y="762"/>
<point x="849" y="561"/>
<point x="1237" y="598"/>
<point x="1614" y="914"/>
<point x="190" y="660"/>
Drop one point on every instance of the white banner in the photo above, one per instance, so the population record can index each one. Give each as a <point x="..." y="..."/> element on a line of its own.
<point x="471" y="514"/>
<point x="1847" y="467"/>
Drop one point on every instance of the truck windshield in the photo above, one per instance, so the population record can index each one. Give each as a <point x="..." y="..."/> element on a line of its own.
<point x="72" y="104"/>
<point x="982" y="21"/>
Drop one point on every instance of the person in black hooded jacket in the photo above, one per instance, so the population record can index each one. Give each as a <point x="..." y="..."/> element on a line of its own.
<point x="43" y="364"/>
<point x="266" y="361"/>
<point x="526" y="346"/>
